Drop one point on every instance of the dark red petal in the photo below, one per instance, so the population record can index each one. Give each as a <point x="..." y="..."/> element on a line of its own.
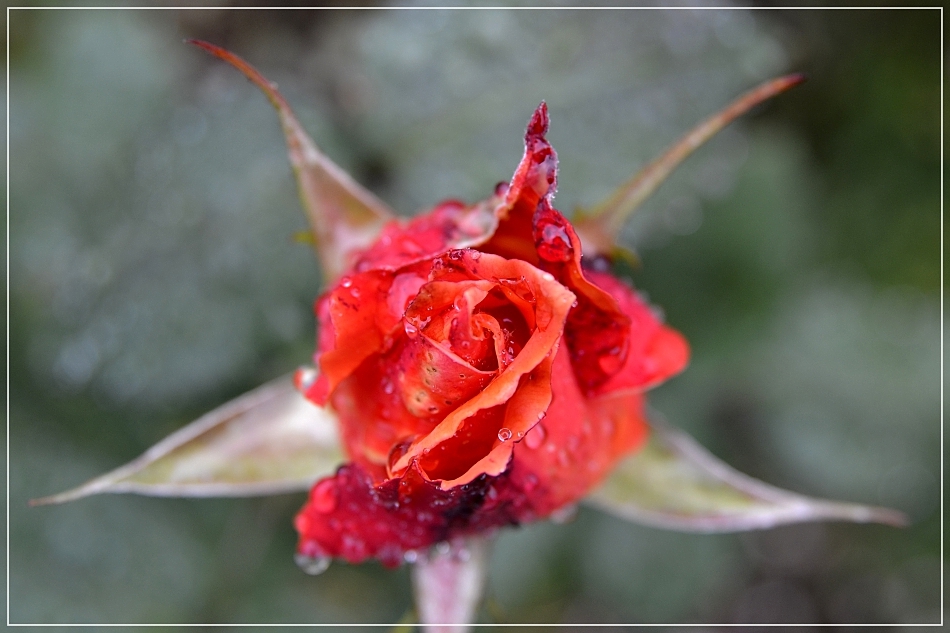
<point x="451" y="225"/>
<point x="354" y="324"/>
<point x="597" y="329"/>
<point x="655" y="352"/>
<point x="577" y="443"/>
<point x="348" y="517"/>
<point x="534" y="179"/>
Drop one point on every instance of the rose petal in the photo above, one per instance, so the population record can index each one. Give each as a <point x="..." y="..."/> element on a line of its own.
<point x="654" y="352"/>
<point x="548" y="293"/>
<point x="578" y="441"/>
<point x="534" y="179"/>
<point x="347" y="516"/>
<point x="434" y="381"/>
<point x="451" y="225"/>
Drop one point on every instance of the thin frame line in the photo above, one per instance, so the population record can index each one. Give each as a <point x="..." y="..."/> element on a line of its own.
<point x="481" y="8"/>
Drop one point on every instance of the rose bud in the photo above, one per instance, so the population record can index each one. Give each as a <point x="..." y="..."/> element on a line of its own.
<point x="482" y="375"/>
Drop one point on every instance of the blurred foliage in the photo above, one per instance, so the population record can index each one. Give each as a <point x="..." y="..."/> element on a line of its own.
<point x="153" y="275"/>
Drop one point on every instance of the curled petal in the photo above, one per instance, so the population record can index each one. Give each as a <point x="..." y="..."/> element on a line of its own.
<point x="654" y="351"/>
<point x="556" y="301"/>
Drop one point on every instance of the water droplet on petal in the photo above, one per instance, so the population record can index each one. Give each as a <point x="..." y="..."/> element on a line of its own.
<point x="530" y="482"/>
<point x="346" y="282"/>
<point x="536" y="436"/>
<point x="504" y="434"/>
<point x="313" y="565"/>
<point x="324" y="496"/>
<point x="476" y="255"/>
<point x="411" y="330"/>
<point x="304" y="378"/>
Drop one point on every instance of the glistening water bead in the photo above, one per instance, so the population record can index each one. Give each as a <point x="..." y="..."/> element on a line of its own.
<point x="313" y="565"/>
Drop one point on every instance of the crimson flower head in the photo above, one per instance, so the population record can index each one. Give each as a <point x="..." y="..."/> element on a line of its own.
<point x="474" y="370"/>
<point x="484" y="372"/>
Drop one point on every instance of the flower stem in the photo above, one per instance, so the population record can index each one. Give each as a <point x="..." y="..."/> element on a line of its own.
<point x="448" y="583"/>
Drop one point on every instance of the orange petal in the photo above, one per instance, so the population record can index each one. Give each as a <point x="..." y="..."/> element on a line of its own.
<point x="547" y="292"/>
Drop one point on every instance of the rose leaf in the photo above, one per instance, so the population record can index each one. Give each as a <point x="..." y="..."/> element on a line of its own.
<point x="268" y="441"/>
<point x="674" y="483"/>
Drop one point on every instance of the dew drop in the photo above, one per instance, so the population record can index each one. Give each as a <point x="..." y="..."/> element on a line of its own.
<point x="536" y="437"/>
<point x="355" y="292"/>
<point x="612" y="361"/>
<point x="530" y="482"/>
<point x="547" y="277"/>
<point x="563" y="458"/>
<point x="346" y="282"/>
<point x="304" y="378"/>
<point x="324" y="496"/>
<point x="411" y="330"/>
<point x="504" y="434"/>
<point x="313" y="565"/>
<point x="388" y="386"/>
<point x="476" y="255"/>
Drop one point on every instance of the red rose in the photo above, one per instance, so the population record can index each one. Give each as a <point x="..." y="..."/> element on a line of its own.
<point x="482" y="375"/>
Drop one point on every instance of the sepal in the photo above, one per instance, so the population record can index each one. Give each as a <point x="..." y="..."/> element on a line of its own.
<point x="269" y="441"/>
<point x="345" y="218"/>
<point x="600" y="225"/>
<point x="674" y="483"/>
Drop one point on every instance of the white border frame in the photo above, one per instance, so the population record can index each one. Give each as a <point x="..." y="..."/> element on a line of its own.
<point x="479" y="8"/>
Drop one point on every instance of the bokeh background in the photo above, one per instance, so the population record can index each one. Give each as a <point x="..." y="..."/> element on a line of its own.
<point x="154" y="275"/>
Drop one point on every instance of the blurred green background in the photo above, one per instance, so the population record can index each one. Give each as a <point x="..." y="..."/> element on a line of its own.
<point x="153" y="275"/>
